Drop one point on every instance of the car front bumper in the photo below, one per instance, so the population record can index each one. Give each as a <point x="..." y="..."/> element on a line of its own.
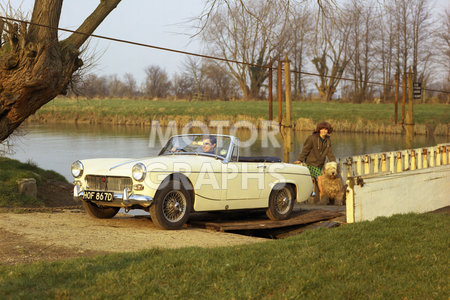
<point x="125" y="199"/>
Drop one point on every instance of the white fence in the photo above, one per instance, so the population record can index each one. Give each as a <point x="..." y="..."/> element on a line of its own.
<point x="382" y="184"/>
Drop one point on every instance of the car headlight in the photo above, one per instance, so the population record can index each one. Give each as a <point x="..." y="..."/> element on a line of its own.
<point x="139" y="170"/>
<point x="77" y="169"/>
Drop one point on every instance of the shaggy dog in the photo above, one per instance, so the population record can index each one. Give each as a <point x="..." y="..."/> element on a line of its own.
<point x="332" y="186"/>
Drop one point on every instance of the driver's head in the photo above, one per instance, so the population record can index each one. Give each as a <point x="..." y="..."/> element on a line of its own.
<point x="209" y="144"/>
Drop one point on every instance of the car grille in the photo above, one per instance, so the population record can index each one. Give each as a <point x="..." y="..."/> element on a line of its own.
<point x="108" y="183"/>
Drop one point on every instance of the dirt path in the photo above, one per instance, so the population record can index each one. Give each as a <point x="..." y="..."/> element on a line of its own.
<point x="38" y="236"/>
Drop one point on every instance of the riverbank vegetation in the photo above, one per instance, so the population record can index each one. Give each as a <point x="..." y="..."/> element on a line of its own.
<point x="400" y="257"/>
<point x="345" y="117"/>
<point x="12" y="171"/>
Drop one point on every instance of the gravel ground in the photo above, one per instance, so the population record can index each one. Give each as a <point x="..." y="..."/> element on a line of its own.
<point x="31" y="237"/>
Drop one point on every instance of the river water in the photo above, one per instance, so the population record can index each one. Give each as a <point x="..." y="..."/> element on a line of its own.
<point x="56" y="146"/>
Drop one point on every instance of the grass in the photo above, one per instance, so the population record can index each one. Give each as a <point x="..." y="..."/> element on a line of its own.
<point x="400" y="257"/>
<point x="12" y="170"/>
<point x="63" y="108"/>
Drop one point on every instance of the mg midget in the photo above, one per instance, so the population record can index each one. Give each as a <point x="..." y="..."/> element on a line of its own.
<point x="192" y="173"/>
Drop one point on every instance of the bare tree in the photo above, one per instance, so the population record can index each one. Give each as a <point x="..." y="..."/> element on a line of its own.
<point x="407" y="40"/>
<point x="362" y="38"/>
<point x="90" y="86"/>
<point x="93" y="86"/>
<point x="331" y="51"/>
<point x="443" y="58"/>
<point x="218" y="84"/>
<point x="130" y="86"/>
<point x="157" y="84"/>
<point x="34" y="65"/>
<point x="116" y="88"/>
<point x="301" y="26"/>
<point x="193" y="70"/>
<point x="253" y="33"/>
<point x="414" y="34"/>
<point x="444" y="41"/>
<point x="183" y="86"/>
<point x="385" y="52"/>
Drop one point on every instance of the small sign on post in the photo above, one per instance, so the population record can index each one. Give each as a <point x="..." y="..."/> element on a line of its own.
<point x="417" y="90"/>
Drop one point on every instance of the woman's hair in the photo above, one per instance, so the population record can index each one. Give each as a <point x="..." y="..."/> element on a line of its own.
<point x="323" y="125"/>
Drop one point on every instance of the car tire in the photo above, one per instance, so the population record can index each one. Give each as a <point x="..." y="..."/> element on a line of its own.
<point x="281" y="203"/>
<point x="100" y="212"/>
<point x="171" y="207"/>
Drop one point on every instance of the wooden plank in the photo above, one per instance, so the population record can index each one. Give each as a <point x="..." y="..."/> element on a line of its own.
<point x="299" y="219"/>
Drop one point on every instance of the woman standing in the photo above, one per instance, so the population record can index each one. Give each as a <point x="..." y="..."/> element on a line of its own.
<point x="316" y="149"/>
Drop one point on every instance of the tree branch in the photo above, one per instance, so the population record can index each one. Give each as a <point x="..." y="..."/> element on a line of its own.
<point x="2" y="23"/>
<point x="91" y="23"/>
<point x="45" y="12"/>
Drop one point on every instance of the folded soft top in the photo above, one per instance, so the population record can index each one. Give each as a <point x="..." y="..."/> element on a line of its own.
<point x="259" y="159"/>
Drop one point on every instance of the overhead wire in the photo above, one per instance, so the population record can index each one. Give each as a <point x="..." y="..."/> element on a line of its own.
<point x="202" y="55"/>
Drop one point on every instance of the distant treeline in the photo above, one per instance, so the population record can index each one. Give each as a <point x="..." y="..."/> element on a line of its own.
<point x="354" y="52"/>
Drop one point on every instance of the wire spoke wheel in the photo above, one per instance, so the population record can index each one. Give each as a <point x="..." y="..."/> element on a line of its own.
<point x="281" y="203"/>
<point x="174" y="206"/>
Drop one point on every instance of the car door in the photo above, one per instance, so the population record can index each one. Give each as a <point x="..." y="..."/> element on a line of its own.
<point x="243" y="181"/>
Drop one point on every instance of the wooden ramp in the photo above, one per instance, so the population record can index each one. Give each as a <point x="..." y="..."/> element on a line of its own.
<point x="261" y="222"/>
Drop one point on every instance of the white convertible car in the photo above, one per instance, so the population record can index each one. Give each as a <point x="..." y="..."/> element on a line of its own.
<point x="192" y="173"/>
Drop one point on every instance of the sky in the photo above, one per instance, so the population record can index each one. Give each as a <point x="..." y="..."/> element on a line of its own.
<point x="163" y="23"/>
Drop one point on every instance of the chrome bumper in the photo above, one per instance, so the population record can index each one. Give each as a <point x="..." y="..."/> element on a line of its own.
<point x="120" y="200"/>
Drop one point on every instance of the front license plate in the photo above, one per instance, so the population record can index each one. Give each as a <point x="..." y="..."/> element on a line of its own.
<point x="98" y="196"/>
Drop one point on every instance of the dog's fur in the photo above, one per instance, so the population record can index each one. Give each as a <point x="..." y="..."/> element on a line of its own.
<point x="332" y="185"/>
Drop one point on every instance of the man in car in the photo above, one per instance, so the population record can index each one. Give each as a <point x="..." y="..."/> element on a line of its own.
<point x="209" y="144"/>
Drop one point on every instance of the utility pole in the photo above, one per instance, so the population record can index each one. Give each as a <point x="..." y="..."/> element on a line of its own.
<point x="287" y="128"/>
<point x="270" y="92"/>
<point x="280" y="95"/>
<point x="403" y="98"/>
<point x="410" y="115"/>
<point x="396" y="99"/>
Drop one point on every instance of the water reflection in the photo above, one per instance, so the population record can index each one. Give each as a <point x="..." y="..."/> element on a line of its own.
<point x="56" y="146"/>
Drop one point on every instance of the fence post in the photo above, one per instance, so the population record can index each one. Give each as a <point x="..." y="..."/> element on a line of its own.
<point x="398" y="162"/>
<point x="392" y="162"/>
<point x="358" y="165"/>
<point x="413" y="160"/>
<point x="383" y="162"/>
<point x="425" y="158"/>
<point x="366" y="164"/>
<point x="406" y="160"/>
<point x="438" y="156"/>
<point x="444" y="155"/>
<point x="349" y="163"/>
<point x="419" y="159"/>
<point x="432" y="163"/>
<point x="375" y="163"/>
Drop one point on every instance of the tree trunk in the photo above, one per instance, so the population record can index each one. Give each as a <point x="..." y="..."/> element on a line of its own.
<point x="34" y="66"/>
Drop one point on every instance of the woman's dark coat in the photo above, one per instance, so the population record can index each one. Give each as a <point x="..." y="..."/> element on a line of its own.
<point x="315" y="151"/>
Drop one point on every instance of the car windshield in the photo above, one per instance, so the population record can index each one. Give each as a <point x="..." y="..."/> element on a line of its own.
<point x="210" y="145"/>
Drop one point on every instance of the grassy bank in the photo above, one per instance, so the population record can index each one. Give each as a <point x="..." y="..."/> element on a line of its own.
<point x="401" y="257"/>
<point x="13" y="170"/>
<point x="378" y="118"/>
